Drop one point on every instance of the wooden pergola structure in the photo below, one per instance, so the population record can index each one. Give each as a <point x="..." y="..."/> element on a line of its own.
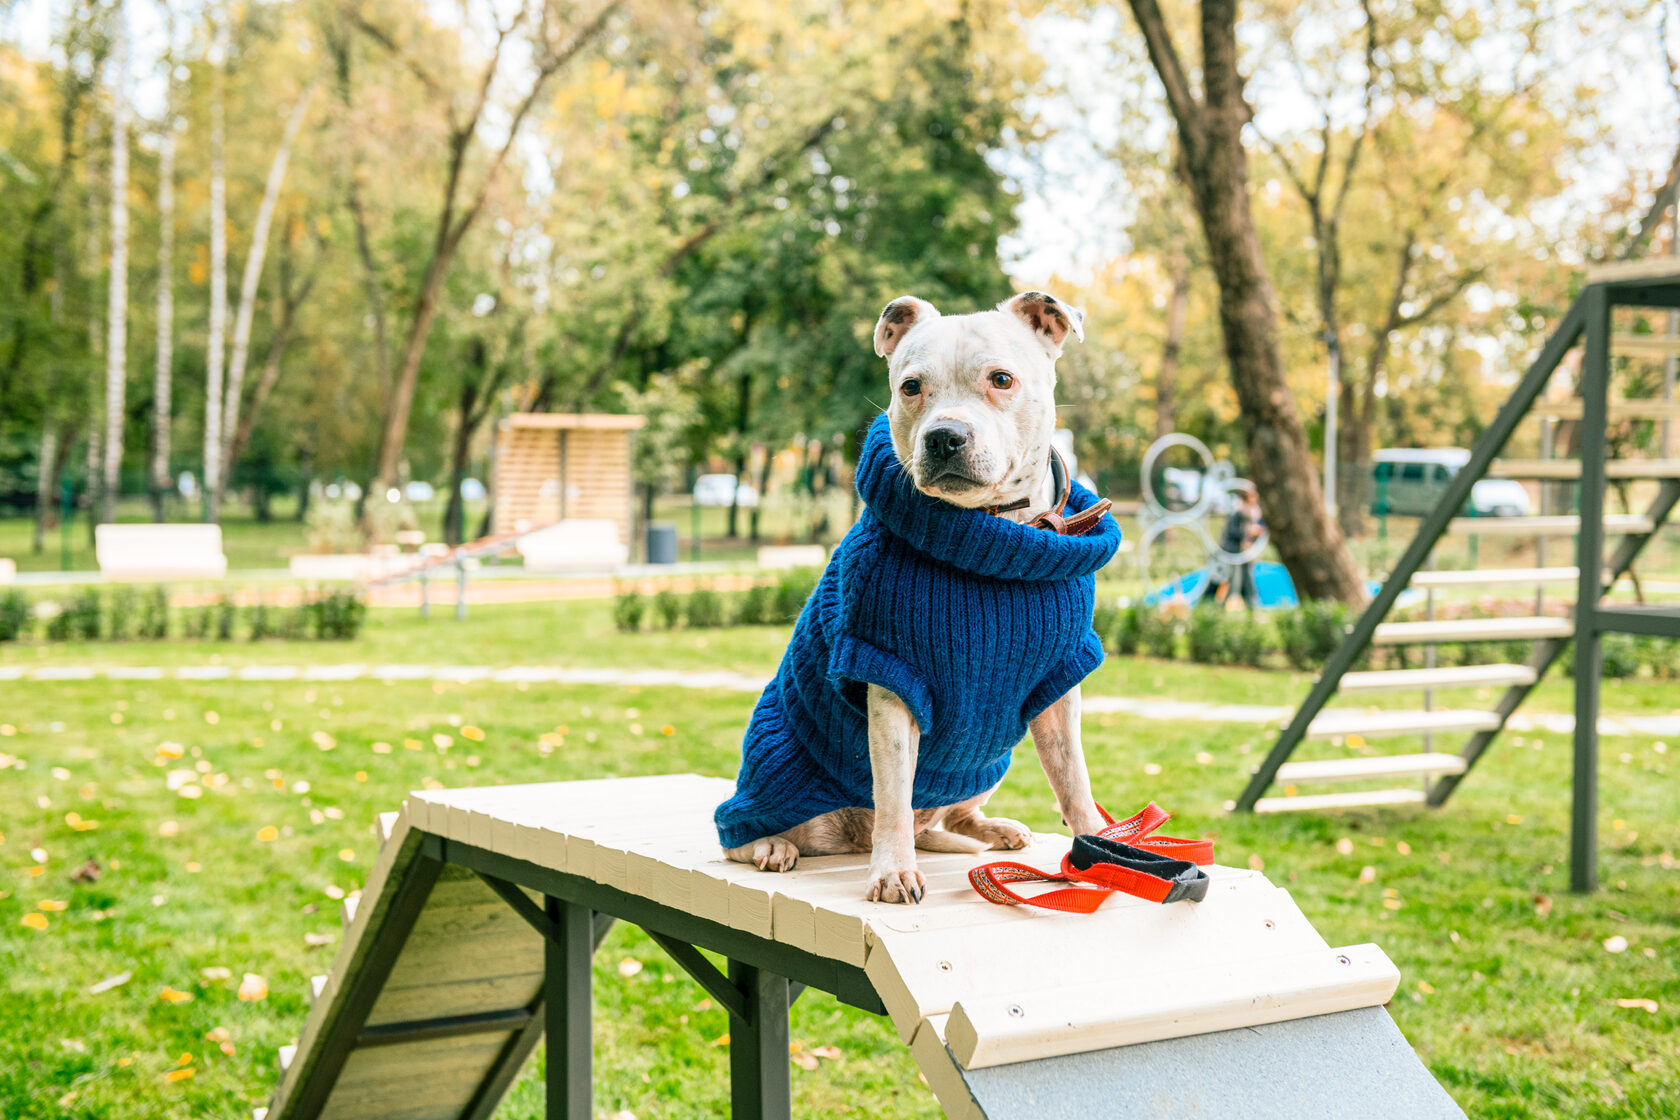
<point x="557" y="466"/>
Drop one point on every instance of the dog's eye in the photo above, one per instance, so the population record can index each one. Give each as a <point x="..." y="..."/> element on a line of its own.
<point x="911" y="387"/>
<point x="1002" y="380"/>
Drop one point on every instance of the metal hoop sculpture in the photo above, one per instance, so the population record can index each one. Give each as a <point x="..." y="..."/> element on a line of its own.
<point x="1219" y="481"/>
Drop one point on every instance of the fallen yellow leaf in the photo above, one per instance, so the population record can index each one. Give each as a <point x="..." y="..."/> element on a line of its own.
<point x="1642" y="1004"/>
<point x="35" y="921"/>
<point x="267" y="834"/>
<point x="253" y="988"/>
<point x="476" y="734"/>
<point x="51" y="905"/>
<point x="174" y="995"/>
<point x="178" y="1074"/>
<point x="721" y="1040"/>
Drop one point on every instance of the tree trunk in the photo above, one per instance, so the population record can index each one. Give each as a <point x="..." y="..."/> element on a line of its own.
<point x="763" y="489"/>
<point x="1354" y="450"/>
<point x="93" y="459"/>
<point x="1279" y="461"/>
<point x="46" y="460"/>
<point x="218" y="308"/>
<point x="116" y="307"/>
<point x="163" y="375"/>
<point x="253" y="275"/>
<point x="395" y="431"/>
<point x="1178" y="305"/>
<point x="455" y="514"/>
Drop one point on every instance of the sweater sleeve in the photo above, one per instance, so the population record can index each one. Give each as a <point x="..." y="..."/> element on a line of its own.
<point x="1078" y="665"/>
<point x="854" y="661"/>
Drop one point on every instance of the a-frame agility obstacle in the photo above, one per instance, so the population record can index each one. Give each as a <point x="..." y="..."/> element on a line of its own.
<point x="474" y="936"/>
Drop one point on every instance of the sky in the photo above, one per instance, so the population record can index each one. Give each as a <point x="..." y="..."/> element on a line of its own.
<point x="1073" y="210"/>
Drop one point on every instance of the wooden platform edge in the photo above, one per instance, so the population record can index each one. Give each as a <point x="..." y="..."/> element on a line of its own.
<point x="1075" y="1019"/>
<point x="396" y="854"/>
<point x="940" y="1070"/>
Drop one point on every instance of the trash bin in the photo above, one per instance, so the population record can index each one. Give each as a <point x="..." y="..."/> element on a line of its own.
<point x="661" y="542"/>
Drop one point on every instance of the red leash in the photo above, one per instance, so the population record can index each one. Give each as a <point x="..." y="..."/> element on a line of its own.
<point x="1122" y="857"/>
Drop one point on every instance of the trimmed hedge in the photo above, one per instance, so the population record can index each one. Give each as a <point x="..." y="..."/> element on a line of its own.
<point x="772" y="603"/>
<point x="127" y="613"/>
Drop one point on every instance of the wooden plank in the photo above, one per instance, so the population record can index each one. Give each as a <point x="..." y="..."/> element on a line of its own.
<point x="1317" y="801"/>
<point x="1544" y="525"/>
<point x="1631" y="344"/>
<point x="1494" y="577"/>
<point x="425" y="1080"/>
<point x="1566" y="469"/>
<point x="926" y="973"/>
<point x="1457" y="676"/>
<point x="554" y="421"/>
<point x="1218" y="994"/>
<point x="1646" y="409"/>
<point x="1473" y="630"/>
<point x="1370" y="767"/>
<point x="941" y="1072"/>
<point x="1647" y="268"/>
<point x="1335" y="723"/>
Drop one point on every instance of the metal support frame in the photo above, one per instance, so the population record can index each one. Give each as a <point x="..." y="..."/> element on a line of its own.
<point x="1458" y="491"/>
<point x="764" y="978"/>
<point x="1588" y="317"/>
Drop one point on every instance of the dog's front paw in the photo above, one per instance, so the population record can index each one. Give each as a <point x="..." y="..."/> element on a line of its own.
<point x="775" y="853"/>
<point x="892" y="881"/>
<point x="1002" y="833"/>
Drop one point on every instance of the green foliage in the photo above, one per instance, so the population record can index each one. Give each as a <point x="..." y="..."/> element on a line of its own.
<point x="1158" y="633"/>
<point x="337" y="615"/>
<point x="154" y="614"/>
<point x="84" y="615"/>
<point x="257" y="625"/>
<point x="705" y="609"/>
<point x="754" y="606"/>
<point x="1311" y="632"/>
<point x="793" y="588"/>
<point x="225" y="611"/>
<point x="125" y="601"/>
<point x="628" y="608"/>
<point x="14" y="615"/>
<point x="668" y="606"/>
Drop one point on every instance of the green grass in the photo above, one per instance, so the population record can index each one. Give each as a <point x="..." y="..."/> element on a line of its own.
<point x="1508" y="993"/>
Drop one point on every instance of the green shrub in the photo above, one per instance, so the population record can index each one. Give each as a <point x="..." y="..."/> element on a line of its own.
<point x="1621" y="656"/>
<point x="705" y="609"/>
<point x="154" y="614"/>
<point x="628" y="608"/>
<point x="257" y="622"/>
<point x="338" y="615"/>
<point x="196" y="623"/>
<point x="14" y="615"/>
<point x="294" y="623"/>
<point x="1206" y="635"/>
<point x="793" y="589"/>
<point x="125" y="603"/>
<point x="668" y="606"/>
<point x="1158" y="633"/>
<point x="1128" y="630"/>
<point x="1104" y="618"/>
<point x="1250" y="639"/>
<point x="224" y="618"/>
<point x="84" y="613"/>
<point x="1310" y="633"/>
<point x="58" y="618"/>
<point x="755" y="606"/>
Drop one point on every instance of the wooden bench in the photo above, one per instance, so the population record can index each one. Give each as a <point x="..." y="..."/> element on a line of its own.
<point x="574" y="543"/>
<point x="474" y="933"/>
<point x="156" y="552"/>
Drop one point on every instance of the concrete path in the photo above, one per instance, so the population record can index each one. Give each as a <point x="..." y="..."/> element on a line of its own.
<point x="1267" y="715"/>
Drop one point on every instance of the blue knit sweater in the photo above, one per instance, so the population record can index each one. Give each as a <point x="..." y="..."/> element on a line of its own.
<point x="976" y="622"/>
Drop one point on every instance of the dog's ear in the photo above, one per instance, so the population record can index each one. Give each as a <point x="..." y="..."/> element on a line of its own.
<point x="1048" y="317"/>
<point x="896" y="320"/>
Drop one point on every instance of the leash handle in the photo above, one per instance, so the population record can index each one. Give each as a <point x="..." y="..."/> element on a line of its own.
<point x="1122" y="857"/>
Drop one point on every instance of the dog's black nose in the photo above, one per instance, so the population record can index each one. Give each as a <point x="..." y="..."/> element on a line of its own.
<point x="945" y="439"/>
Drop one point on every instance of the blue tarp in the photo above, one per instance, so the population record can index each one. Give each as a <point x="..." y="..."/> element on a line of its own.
<point x="1271" y="582"/>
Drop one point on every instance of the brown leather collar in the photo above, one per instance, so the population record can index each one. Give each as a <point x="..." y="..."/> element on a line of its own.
<point x="1054" y="519"/>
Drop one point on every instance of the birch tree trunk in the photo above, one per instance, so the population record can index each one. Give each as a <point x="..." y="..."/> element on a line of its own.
<point x="162" y="376"/>
<point x="253" y="277"/>
<point x="116" y="309"/>
<point x="1178" y="306"/>
<point x="93" y="458"/>
<point x="218" y="306"/>
<point x="44" y="481"/>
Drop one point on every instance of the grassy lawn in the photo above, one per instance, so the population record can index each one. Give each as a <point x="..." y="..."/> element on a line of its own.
<point x="1509" y="993"/>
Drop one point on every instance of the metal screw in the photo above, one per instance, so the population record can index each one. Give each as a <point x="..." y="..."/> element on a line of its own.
<point x="1015" y="1011"/>
<point x="944" y="966"/>
<point x="1343" y="959"/>
<point x="1270" y="924"/>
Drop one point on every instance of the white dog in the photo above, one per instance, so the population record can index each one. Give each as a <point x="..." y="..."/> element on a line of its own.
<point x="971" y="419"/>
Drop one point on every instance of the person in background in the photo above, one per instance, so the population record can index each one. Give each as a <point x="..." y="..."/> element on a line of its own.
<point x="1242" y="529"/>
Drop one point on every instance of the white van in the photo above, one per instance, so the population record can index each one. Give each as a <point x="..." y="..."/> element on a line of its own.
<point x="1410" y="481"/>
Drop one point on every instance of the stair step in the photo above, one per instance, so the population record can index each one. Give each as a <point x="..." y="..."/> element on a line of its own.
<point x="1337" y="722"/>
<point x="1370" y="767"/>
<point x="1490" y="577"/>
<point x="1619" y="410"/>
<point x="317" y="985"/>
<point x="287" y="1053"/>
<point x="1630" y="344"/>
<point x="1545" y="525"/>
<point x="1473" y="630"/>
<point x="1338" y="800"/>
<point x="1571" y="468"/>
<point x="1463" y="676"/>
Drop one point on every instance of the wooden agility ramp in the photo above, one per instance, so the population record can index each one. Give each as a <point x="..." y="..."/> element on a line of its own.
<point x="475" y="931"/>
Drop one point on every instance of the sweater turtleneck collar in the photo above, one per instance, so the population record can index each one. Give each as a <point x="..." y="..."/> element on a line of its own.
<point x="970" y="539"/>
